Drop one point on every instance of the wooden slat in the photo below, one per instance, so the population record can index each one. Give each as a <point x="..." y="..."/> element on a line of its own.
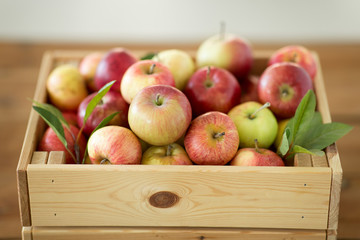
<point x="302" y="160"/>
<point x="125" y="233"/>
<point x="319" y="161"/>
<point x="209" y="196"/>
<point x="39" y="157"/>
<point x="26" y="233"/>
<point x="56" y="157"/>
<point x="34" y="128"/>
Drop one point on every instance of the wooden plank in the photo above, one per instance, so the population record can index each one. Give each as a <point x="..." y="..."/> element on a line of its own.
<point x="331" y="234"/>
<point x="336" y="180"/>
<point x="319" y="161"/>
<point x="209" y="196"/>
<point x="302" y="160"/>
<point x="26" y="233"/>
<point x="56" y="157"/>
<point x="125" y="233"/>
<point x="39" y="157"/>
<point x="33" y="131"/>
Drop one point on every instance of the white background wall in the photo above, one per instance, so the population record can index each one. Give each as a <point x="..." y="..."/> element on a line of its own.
<point x="180" y="21"/>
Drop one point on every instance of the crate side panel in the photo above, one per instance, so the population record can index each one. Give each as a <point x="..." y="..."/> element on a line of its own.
<point x="210" y="196"/>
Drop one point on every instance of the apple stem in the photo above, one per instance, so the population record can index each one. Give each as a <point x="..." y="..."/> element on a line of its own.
<point x="253" y="115"/>
<point x="168" y="150"/>
<point x="105" y="161"/>
<point x="158" y="101"/>
<point x="222" y="30"/>
<point x="293" y="57"/>
<point x="208" y="82"/>
<point x="217" y="135"/>
<point x="151" y="70"/>
<point x="257" y="146"/>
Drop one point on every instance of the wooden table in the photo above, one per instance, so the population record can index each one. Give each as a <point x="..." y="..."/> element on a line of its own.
<point x="19" y="68"/>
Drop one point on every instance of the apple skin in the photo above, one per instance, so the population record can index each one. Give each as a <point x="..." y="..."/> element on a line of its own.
<point x="180" y="64"/>
<point x="157" y="155"/>
<point x="117" y="144"/>
<point x="201" y="144"/>
<point x="226" y="51"/>
<point x="50" y="142"/>
<point x="263" y="127"/>
<point x="110" y="103"/>
<point x="296" y="54"/>
<point x="87" y="68"/>
<point x="66" y="87"/>
<point x="212" y="89"/>
<point x="284" y="85"/>
<point x="112" y="67"/>
<point x="256" y="157"/>
<point x="138" y="76"/>
<point x="282" y="125"/>
<point x="70" y="118"/>
<point x="159" y="122"/>
<point x="249" y="89"/>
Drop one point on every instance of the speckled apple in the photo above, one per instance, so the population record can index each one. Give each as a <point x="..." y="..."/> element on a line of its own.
<point x="256" y="157"/>
<point x="87" y="68"/>
<point x="172" y="154"/>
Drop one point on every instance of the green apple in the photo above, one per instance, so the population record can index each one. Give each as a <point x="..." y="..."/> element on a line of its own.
<point x="254" y="121"/>
<point x="180" y="64"/>
<point x="172" y="154"/>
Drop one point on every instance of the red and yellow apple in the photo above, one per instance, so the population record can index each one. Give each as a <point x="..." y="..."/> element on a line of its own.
<point x="212" y="139"/>
<point x="143" y="74"/>
<point x="249" y="87"/>
<point x="87" y="68"/>
<point x="159" y="114"/>
<point x="172" y="154"/>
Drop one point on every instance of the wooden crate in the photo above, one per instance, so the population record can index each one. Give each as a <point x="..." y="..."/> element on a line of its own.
<point x="59" y="201"/>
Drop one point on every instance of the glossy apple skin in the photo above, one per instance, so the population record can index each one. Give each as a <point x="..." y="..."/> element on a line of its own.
<point x="156" y="155"/>
<point x="249" y="89"/>
<point x="263" y="127"/>
<point x="253" y="157"/>
<point x="180" y="64"/>
<point x="229" y="52"/>
<point x="110" y="103"/>
<point x="50" y="142"/>
<point x="70" y="118"/>
<point x="66" y="87"/>
<point x="87" y="68"/>
<point x="217" y="91"/>
<point x="296" y="54"/>
<point x="117" y="144"/>
<point x="281" y="78"/>
<point x="137" y="77"/>
<point x="282" y="125"/>
<point x="201" y="144"/>
<point x="112" y="67"/>
<point x="162" y="124"/>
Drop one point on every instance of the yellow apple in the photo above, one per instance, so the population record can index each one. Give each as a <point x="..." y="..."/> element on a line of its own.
<point x="172" y="154"/>
<point x="282" y="124"/>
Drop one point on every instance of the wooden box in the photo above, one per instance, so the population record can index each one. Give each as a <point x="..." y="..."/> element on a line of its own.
<point x="59" y="201"/>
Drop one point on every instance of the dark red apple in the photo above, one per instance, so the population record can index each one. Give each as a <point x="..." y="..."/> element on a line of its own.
<point x="212" y="89"/>
<point x="112" y="67"/>
<point x="249" y="89"/>
<point x="70" y="117"/>
<point x="283" y="85"/>
<point x="110" y="103"/>
<point x="50" y="142"/>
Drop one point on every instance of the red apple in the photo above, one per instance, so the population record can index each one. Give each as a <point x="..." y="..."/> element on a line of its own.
<point x="159" y="114"/>
<point x="256" y="157"/>
<point x="172" y="154"/>
<point x="284" y="85"/>
<point x="212" y="139"/>
<point x="112" y="67"/>
<point x="87" y="68"/>
<point x="226" y="51"/>
<point x="50" y="142"/>
<point x="212" y="89"/>
<point x="110" y="103"/>
<point x="296" y="54"/>
<point x="249" y="87"/>
<point x="70" y="118"/>
<point x="143" y="74"/>
<point x="115" y="144"/>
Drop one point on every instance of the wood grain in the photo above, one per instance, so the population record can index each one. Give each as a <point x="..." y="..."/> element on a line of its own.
<point x="302" y="160"/>
<point x="126" y="233"/>
<point x="56" y="157"/>
<point x="39" y="157"/>
<point x="26" y="233"/>
<point x="212" y="196"/>
<point x="319" y="161"/>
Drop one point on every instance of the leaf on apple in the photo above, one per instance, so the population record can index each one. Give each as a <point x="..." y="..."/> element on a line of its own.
<point x="148" y="56"/>
<point x="306" y="133"/>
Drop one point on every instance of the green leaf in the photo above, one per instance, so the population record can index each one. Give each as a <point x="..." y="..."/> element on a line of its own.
<point x="324" y="135"/>
<point x="299" y="149"/>
<point x="53" y="122"/>
<point x="284" y="145"/>
<point x="303" y="135"/>
<point x="148" y="56"/>
<point x="56" y="112"/>
<point x="303" y="116"/>
<point x="103" y="123"/>
<point x="92" y="104"/>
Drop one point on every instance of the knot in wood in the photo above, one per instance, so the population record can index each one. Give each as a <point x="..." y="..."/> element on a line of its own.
<point x="163" y="199"/>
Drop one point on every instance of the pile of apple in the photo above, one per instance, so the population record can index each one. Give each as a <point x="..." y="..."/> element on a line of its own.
<point x="174" y="110"/>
